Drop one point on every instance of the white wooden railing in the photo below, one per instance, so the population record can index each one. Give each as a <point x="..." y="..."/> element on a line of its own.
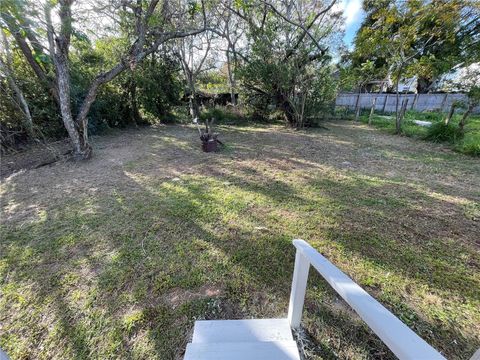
<point x="403" y="342"/>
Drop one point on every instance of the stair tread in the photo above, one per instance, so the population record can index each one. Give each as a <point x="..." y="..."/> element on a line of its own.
<point x="251" y="330"/>
<point x="266" y="350"/>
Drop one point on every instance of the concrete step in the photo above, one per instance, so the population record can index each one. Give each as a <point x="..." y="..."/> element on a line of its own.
<point x="254" y="330"/>
<point x="266" y="350"/>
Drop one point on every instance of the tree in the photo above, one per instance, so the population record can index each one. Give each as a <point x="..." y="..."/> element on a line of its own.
<point x="288" y="46"/>
<point x="446" y="31"/>
<point x="193" y="53"/>
<point x="152" y="27"/>
<point x="232" y="30"/>
<point x="417" y="38"/>
<point x="458" y="40"/>
<point x="395" y="34"/>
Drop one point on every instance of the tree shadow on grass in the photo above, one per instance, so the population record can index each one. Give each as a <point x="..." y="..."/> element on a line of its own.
<point x="102" y="263"/>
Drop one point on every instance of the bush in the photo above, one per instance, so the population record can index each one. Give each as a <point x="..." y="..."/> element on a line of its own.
<point x="439" y="132"/>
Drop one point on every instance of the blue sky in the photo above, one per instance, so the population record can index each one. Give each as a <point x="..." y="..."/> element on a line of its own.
<point x="353" y="13"/>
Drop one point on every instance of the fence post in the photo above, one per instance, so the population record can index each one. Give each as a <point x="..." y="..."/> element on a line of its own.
<point x="385" y="103"/>
<point x="357" y="107"/>
<point x="414" y="104"/>
<point x="372" y="110"/>
<point x="444" y="102"/>
<point x="299" y="287"/>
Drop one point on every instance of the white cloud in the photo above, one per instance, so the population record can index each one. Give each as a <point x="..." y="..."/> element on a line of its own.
<point x="352" y="10"/>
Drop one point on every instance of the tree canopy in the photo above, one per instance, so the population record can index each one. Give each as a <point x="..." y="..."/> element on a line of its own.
<point x="107" y="63"/>
<point x="417" y="38"/>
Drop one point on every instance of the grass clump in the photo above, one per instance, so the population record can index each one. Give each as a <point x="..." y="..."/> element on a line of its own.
<point x="441" y="132"/>
<point x="470" y="145"/>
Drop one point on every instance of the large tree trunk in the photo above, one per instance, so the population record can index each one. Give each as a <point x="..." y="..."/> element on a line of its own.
<point x="287" y="109"/>
<point x="77" y="133"/>
<point x="59" y="48"/>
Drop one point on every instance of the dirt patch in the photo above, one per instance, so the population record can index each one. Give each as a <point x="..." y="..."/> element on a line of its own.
<point x="35" y="156"/>
<point x="177" y="297"/>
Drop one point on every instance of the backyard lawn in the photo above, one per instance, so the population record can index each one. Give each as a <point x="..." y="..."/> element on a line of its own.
<point x="118" y="256"/>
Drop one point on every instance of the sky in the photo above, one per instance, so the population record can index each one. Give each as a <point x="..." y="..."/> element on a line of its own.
<point x="353" y="13"/>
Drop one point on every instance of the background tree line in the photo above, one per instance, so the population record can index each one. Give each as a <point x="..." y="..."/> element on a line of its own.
<point x="78" y="67"/>
<point x="401" y="39"/>
<point x="71" y="67"/>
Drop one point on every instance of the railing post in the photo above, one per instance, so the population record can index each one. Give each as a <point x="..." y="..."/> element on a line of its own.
<point x="299" y="286"/>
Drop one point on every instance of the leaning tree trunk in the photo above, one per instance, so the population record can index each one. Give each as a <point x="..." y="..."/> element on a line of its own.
<point x="21" y="101"/>
<point x="463" y="120"/>
<point x="285" y="106"/>
<point x="450" y="114"/>
<point x="398" y="116"/>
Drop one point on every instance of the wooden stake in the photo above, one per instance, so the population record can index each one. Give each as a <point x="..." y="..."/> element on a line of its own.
<point x="385" y="103"/>
<point x="372" y="110"/>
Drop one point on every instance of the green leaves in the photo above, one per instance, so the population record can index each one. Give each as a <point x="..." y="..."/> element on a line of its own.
<point x="42" y="58"/>
<point x="193" y="8"/>
<point x="80" y="36"/>
<point x="424" y="36"/>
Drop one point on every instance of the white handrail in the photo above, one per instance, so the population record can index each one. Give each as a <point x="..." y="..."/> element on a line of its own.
<point x="403" y="342"/>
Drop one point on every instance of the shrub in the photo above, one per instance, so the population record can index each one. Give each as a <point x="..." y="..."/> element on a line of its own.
<point x="439" y="132"/>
